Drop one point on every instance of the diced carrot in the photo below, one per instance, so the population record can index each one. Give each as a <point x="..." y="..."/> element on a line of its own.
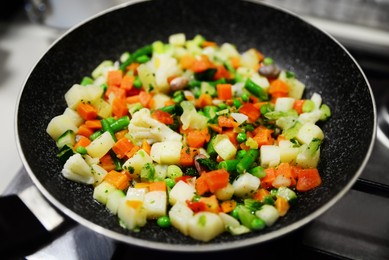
<point x="82" y="141"/>
<point x="263" y="136"/>
<point x="120" y="134"/>
<point x="298" y="105"/>
<point x="260" y="194"/>
<point x="169" y="102"/>
<point x="133" y="151"/>
<point x="119" y="107"/>
<point x="216" y="179"/>
<point x="133" y="67"/>
<point x="221" y="73"/>
<point x="135" y="204"/>
<point x="224" y="121"/>
<point x="186" y="61"/>
<point x="266" y="182"/>
<point x="278" y="86"/>
<point x="235" y="62"/>
<point x="205" y="44"/>
<point x="146" y="146"/>
<point x="133" y="99"/>
<point x="84" y="130"/>
<point x="197" y="138"/>
<point x="187" y="156"/>
<point x="224" y="91"/>
<point x="201" y="64"/>
<point x="114" y="77"/>
<point x="122" y="147"/>
<point x="196" y="206"/>
<point x="308" y="179"/>
<point x="228" y="206"/>
<point x="201" y="185"/>
<point x="204" y="100"/>
<point x="250" y="111"/>
<point x="86" y="111"/>
<point x="145" y="98"/>
<point x="282" y="206"/>
<point x="127" y="82"/>
<point x="163" y="117"/>
<point x="93" y="124"/>
<point x="211" y="203"/>
<point x="107" y="162"/>
<point x="216" y="128"/>
<point x="115" y="92"/>
<point x="157" y="186"/>
<point x="119" y="180"/>
<point x="285" y="169"/>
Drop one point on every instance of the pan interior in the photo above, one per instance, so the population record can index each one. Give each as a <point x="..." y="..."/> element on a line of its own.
<point x="319" y="61"/>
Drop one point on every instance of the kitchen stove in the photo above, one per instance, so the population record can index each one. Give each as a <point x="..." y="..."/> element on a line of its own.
<point x="356" y="227"/>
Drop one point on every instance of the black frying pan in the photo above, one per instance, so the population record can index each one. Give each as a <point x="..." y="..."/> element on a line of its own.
<point x="316" y="58"/>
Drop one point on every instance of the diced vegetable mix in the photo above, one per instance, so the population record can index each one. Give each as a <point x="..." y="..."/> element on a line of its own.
<point x="193" y="135"/>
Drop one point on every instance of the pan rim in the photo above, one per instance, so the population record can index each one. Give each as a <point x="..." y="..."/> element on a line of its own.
<point x="195" y="247"/>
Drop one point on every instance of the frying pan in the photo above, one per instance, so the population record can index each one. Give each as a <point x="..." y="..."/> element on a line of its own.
<point x="317" y="59"/>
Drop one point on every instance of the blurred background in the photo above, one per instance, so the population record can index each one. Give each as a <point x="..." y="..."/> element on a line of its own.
<point x="28" y="28"/>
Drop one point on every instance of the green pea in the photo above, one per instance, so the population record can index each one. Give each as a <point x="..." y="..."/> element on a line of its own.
<point x="137" y="83"/>
<point x="164" y="222"/>
<point x="237" y="103"/>
<point x="170" y="182"/>
<point x="240" y="154"/>
<point x="245" y="97"/>
<point x="308" y="106"/>
<point x="257" y="224"/>
<point x="81" y="150"/>
<point x="241" y="137"/>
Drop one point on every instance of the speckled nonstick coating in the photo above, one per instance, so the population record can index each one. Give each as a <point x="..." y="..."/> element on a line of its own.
<point x="316" y="58"/>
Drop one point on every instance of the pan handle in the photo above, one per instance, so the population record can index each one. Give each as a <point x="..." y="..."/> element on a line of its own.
<point x="27" y="223"/>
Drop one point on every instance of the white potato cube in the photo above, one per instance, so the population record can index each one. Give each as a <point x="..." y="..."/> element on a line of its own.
<point x="205" y="226"/>
<point x="136" y="193"/>
<point x="224" y="147"/>
<point x="167" y="152"/>
<point x="102" y="191"/>
<point x="245" y="185"/>
<point x="308" y="131"/>
<point x="284" y="103"/>
<point x="179" y="216"/>
<point x="270" y="156"/>
<point x="113" y="200"/>
<point x="59" y="125"/>
<point x="99" y="173"/>
<point x="74" y="116"/>
<point x="155" y="203"/>
<point x="288" y="153"/>
<point x="268" y="213"/>
<point x="101" y="145"/>
<point x="134" y="164"/>
<point x="225" y="193"/>
<point x="181" y="191"/>
<point x="132" y="215"/>
<point x="78" y="93"/>
<point x="177" y="39"/>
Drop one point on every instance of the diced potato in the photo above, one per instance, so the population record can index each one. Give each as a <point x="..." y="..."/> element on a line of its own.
<point x="229" y="50"/>
<point x="160" y="100"/>
<point x="134" y="164"/>
<point x="288" y="153"/>
<point x="155" y="203"/>
<point x="245" y="185"/>
<point x="102" y="191"/>
<point x="284" y="104"/>
<point x="310" y="117"/>
<point x="59" y="125"/>
<point x="225" y="193"/>
<point x="268" y="213"/>
<point x="249" y="59"/>
<point x="113" y="200"/>
<point x="205" y="226"/>
<point x="78" y="93"/>
<point x="316" y="98"/>
<point x="104" y="109"/>
<point x="224" y="147"/>
<point x="306" y="159"/>
<point x="270" y="155"/>
<point x="261" y="81"/>
<point x="101" y="145"/>
<point x="99" y="173"/>
<point x="177" y="39"/>
<point x="296" y="87"/>
<point x="132" y="214"/>
<point x="74" y="116"/>
<point x="308" y="131"/>
<point x="181" y="191"/>
<point x="146" y="76"/>
<point x="179" y="216"/>
<point x="167" y="152"/>
<point x="136" y="194"/>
